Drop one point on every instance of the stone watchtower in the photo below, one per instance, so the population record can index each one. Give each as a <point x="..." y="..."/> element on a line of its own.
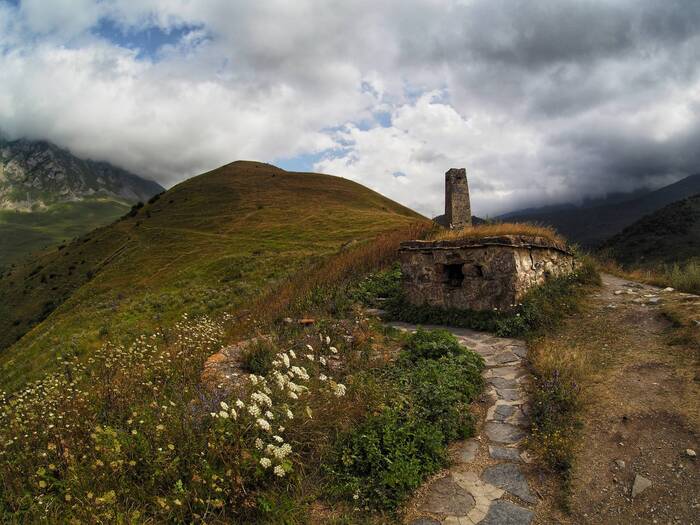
<point x="458" y="213"/>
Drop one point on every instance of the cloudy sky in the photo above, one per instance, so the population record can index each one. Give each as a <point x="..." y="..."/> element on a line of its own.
<point x="542" y="101"/>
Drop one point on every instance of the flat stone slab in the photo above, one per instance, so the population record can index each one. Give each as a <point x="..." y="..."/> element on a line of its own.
<point x="505" y="357"/>
<point x="500" y="382"/>
<point x="503" y="432"/>
<point x="503" y="412"/>
<point x="509" y="394"/>
<point x="509" y="454"/>
<point x="425" y="521"/>
<point x="506" y="372"/>
<point x="445" y="496"/>
<point x="509" y="477"/>
<point x="467" y="451"/>
<point x="504" y="512"/>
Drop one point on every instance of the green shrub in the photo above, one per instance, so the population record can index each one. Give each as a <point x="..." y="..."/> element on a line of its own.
<point x="258" y="356"/>
<point x="384" y="284"/>
<point x="442" y="390"/>
<point x="425" y="407"/>
<point x="386" y="458"/>
<point x="431" y="344"/>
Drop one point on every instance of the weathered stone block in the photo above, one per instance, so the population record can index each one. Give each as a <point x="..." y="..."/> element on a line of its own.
<point x="480" y="274"/>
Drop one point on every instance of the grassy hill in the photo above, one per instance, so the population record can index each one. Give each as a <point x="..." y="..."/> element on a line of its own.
<point x="592" y="225"/>
<point x="667" y="236"/>
<point x="22" y="233"/>
<point x="208" y="245"/>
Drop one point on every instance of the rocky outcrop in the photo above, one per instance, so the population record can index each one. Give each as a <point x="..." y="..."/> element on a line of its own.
<point x="480" y="274"/>
<point x="34" y="175"/>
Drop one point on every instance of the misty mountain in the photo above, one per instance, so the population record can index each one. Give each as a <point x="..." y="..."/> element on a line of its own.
<point x="591" y="224"/>
<point x="669" y="235"/>
<point x="36" y="174"/>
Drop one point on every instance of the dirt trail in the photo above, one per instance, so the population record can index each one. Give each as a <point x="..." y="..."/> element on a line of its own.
<point x="642" y="414"/>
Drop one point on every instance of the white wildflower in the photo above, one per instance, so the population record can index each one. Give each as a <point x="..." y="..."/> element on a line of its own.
<point x="269" y="415"/>
<point x="310" y="357"/>
<point x="339" y="389"/>
<point x="334" y="349"/>
<point x="233" y="414"/>
<point x="262" y="423"/>
<point x="311" y="348"/>
<point x="265" y="462"/>
<point x="278" y="439"/>
<point x="279" y="471"/>
<point x="328" y="340"/>
<point x="322" y="377"/>
<point x="254" y="410"/>
<point x="224" y="406"/>
<point x="322" y="360"/>
<point x="223" y="414"/>
<point x="292" y="395"/>
<point x="261" y="398"/>
<point x="240" y="404"/>
<point x="285" y="358"/>
<point x="259" y="443"/>
<point x="291" y="353"/>
<point x="253" y="379"/>
<point x="289" y="415"/>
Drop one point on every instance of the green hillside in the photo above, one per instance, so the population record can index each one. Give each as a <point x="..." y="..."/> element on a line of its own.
<point x="667" y="236"/>
<point x="205" y="246"/>
<point x="22" y="233"/>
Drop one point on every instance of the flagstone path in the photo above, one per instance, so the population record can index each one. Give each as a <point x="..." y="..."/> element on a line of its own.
<point x="486" y="483"/>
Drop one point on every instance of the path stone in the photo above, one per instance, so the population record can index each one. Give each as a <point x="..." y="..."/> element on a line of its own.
<point x="506" y="513"/>
<point x="467" y="450"/>
<point x="510" y="454"/>
<point x="503" y="412"/>
<point x="503" y="432"/>
<point x="640" y="485"/>
<point x="508" y="476"/>
<point x="425" y="521"/>
<point x="445" y="496"/>
<point x="500" y="382"/>
<point x="506" y="372"/>
<point x="508" y="394"/>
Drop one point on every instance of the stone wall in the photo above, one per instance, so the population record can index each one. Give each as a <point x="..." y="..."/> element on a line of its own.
<point x="480" y="274"/>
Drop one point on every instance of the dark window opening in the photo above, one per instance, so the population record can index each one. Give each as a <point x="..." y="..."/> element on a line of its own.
<point x="454" y="276"/>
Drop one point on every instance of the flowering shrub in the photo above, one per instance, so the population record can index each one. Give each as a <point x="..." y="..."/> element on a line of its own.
<point x="132" y="428"/>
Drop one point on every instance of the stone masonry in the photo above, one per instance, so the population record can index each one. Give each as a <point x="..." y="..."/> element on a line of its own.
<point x="480" y="273"/>
<point x="458" y="212"/>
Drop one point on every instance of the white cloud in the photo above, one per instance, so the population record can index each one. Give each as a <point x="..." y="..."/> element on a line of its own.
<point x="540" y="101"/>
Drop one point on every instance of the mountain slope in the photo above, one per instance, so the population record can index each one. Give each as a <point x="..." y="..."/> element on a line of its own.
<point x="669" y="235"/>
<point x="590" y="226"/>
<point x="36" y="174"/>
<point x="207" y="245"/>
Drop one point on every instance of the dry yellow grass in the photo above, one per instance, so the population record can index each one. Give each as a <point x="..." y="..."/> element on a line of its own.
<point x="498" y="229"/>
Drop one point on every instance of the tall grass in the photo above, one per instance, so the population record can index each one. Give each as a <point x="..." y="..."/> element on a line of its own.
<point x="498" y="229"/>
<point x="322" y="284"/>
<point x="684" y="277"/>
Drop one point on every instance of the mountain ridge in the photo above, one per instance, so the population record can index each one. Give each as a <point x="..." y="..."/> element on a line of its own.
<point x="35" y="174"/>
<point x="591" y="226"/>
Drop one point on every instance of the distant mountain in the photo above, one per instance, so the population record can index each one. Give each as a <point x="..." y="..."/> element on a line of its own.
<point x="669" y="235"/>
<point x="590" y="225"/>
<point x="47" y="196"/>
<point x="34" y="175"/>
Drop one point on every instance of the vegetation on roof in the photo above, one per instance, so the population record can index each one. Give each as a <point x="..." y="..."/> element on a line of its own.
<point x="497" y="230"/>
